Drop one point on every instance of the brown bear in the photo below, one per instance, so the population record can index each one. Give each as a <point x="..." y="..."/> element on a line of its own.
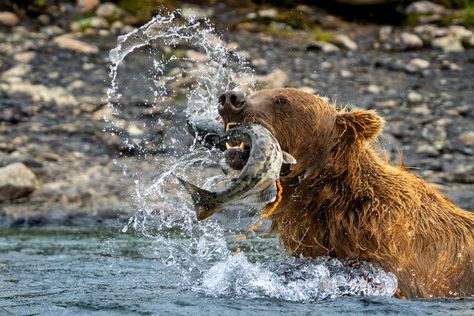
<point x="342" y="199"/>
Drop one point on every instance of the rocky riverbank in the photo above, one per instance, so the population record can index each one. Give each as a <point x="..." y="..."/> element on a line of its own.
<point x="56" y="159"/>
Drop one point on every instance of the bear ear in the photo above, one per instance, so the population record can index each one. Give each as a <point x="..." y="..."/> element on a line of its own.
<point x="360" y="124"/>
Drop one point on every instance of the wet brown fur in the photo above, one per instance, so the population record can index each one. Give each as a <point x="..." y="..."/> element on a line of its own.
<point x="343" y="200"/>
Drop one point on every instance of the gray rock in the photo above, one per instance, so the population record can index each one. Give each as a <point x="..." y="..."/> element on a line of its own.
<point x="9" y="19"/>
<point x="16" y="181"/>
<point x="425" y="7"/>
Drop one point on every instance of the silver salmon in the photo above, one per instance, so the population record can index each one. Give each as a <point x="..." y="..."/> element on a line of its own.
<point x="256" y="184"/>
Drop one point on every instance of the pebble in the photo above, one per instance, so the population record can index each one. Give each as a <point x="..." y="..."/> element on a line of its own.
<point x="387" y="104"/>
<point x="196" y="56"/>
<point x="414" y="97"/>
<point x="307" y="90"/>
<point x="24" y="57"/>
<point x="346" y="73"/>
<point x="16" y="181"/>
<point x="325" y="47"/>
<point x="8" y="19"/>
<point x="373" y="89"/>
<point x="345" y="41"/>
<point x="116" y="25"/>
<point x="44" y="19"/>
<point x="68" y="42"/>
<point x="417" y="64"/>
<point x="15" y="73"/>
<point x="467" y="138"/>
<point x="52" y="30"/>
<point x="268" y="13"/>
<point x="427" y="150"/>
<point x="98" y="22"/>
<point x="410" y="41"/>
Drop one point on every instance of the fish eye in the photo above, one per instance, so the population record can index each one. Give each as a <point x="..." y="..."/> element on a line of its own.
<point x="280" y="100"/>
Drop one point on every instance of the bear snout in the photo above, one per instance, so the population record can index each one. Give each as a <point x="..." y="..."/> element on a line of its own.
<point x="230" y="105"/>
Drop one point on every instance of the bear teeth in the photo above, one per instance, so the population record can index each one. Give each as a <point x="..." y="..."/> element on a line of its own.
<point x="231" y="125"/>
<point x="241" y="146"/>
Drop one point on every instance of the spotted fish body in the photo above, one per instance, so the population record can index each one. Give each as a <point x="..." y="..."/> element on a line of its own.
<point x="256" y="183"/>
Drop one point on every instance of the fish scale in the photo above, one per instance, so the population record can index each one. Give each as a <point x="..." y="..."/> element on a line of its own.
<point x="255" y="185"/>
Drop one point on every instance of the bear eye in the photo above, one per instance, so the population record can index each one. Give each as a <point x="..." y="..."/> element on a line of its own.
<point x="280" y="100"/>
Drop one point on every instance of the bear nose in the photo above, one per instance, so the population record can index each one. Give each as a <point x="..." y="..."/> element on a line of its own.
<point x="231" y="103"/>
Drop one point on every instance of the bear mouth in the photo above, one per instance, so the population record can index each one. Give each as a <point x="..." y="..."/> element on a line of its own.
<point x="237" y="153"/>
<point x="233" y="144"/>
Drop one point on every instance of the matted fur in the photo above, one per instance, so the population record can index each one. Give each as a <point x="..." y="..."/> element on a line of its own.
<point x="343" y="200"/>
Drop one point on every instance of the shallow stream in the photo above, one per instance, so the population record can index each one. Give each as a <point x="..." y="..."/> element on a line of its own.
<point x="105" y="272"/>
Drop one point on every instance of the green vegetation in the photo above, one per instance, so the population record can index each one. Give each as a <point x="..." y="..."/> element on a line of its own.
<point x="318" y="34"/>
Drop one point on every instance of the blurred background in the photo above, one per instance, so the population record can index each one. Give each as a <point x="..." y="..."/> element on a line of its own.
<point x="412" y="61"/>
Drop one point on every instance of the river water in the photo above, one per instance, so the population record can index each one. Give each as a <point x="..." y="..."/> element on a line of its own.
<point x="105" y="272"/>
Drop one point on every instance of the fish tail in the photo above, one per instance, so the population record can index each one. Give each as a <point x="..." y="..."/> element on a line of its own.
<point x="204" y="201"/>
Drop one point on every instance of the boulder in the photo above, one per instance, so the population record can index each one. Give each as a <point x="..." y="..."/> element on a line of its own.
<point x="16" y="181"/>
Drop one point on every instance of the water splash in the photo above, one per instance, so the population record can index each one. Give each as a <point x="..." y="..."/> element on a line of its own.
<point x="184" y="56"/>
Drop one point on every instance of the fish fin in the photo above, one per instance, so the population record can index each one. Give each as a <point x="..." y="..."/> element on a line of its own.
<point x="287" y="158"/>
<point x="204" y="201"/>
<point x="266" y="196"/>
